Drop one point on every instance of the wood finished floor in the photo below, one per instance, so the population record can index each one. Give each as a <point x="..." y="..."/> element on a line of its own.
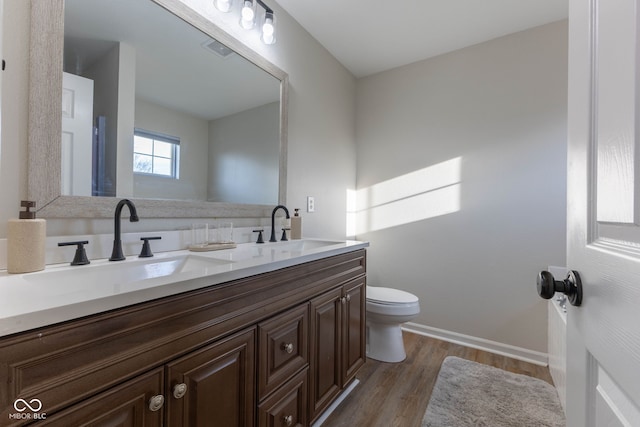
<point x="397" y="394"/>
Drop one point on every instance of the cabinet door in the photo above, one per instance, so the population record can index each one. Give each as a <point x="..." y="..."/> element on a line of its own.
<point x="325" y="350"/>
<point x="354" y="339"/>
<point x="136" y="403"/>
<point x="214" y="386"/>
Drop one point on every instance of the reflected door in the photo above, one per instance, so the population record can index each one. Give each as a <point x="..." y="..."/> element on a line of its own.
<point x="77" y="135"/>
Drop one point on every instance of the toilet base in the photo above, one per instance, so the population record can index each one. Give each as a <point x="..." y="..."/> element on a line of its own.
<point x="384" y="342"/>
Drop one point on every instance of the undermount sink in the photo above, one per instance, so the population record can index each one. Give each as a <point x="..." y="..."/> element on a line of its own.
<point x="272" y="250"/>
<point x="122" y="273"/>
<point x="303" y="245"/>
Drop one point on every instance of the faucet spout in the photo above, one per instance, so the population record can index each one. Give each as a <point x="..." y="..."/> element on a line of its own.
<point x="273" y="221"/>
<point x="117" y="254"/>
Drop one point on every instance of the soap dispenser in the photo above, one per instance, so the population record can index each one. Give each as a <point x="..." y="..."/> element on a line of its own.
<point x="26" y="238"/>
<point x="296" y="226"/>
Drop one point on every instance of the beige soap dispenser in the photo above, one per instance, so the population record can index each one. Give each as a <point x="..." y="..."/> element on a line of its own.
<point x="296" y="226"/>
<point x="26" y="238"/>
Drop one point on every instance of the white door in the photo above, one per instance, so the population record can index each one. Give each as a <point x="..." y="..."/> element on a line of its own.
<point x="603" y="335"/>
<point x="77" y="135"/>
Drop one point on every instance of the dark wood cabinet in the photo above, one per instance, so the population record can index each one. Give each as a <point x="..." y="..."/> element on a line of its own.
<point x="273" y="349"/>
<point x="337" y="342"/>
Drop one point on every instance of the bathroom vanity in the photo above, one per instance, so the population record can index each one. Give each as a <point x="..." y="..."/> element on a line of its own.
<point x="268" y="338"/>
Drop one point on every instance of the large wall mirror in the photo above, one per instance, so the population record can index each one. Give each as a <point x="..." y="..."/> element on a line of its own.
<point x="155" y="103"/>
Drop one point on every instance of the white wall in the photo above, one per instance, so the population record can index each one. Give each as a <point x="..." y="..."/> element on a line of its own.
<point x="469" y="246"/>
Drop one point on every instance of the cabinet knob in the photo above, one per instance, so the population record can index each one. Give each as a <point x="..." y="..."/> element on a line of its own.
<point x="287" y="347"/>
<point x="348" y="297"/>
<point x="179" y="390"/>
<point x="343" y="300"/>
<point x="156" y="402"/>
<point x="288" y="420"/>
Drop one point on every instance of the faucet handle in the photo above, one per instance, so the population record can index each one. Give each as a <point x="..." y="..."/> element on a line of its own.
<point x="284" y="234"/>
<point x="80" y="257"/>
<point x="146" y="247"/>
<point x="260" y="238"/>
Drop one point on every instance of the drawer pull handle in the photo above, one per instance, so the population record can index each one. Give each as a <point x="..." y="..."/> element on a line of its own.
<point x="156" y="402"/>
<point x="288" y="420"/>
<point x="179" y="390"/>
<point x="287" y="348"/>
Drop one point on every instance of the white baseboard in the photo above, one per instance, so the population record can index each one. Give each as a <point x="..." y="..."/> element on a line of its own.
<point x="526" y="355"/>
<point x="336" y="403"/>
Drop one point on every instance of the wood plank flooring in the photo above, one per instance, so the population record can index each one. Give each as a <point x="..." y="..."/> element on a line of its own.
<point x="397" y="394"/>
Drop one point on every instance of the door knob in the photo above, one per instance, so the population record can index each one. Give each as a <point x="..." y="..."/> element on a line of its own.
<point x="571" y="286"/>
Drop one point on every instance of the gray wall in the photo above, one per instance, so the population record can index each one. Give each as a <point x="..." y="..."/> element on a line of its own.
<point x="471" y="245"/>
<point x="243" y="156"/>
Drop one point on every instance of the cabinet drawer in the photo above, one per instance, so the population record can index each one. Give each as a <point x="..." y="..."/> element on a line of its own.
<point x="283" y="348"/>
<point x="287" y="406"/>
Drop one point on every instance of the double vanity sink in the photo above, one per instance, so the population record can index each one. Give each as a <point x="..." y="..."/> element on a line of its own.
<point x="249" y="335"/>
<point x="63" y="292"/>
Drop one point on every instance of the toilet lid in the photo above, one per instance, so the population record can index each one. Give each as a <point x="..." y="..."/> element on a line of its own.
<point x="388" y="295"/>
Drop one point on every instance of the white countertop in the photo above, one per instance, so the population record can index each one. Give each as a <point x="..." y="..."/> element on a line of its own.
<point x="62" y="292"/>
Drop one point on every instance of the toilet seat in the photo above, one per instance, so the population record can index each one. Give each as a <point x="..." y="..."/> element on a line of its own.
<point x="391" y="302"/>
<point x="380" y="295"/>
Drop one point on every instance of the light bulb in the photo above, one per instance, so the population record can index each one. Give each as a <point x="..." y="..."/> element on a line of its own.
<point x="268" y="39"/>
<point x="248" y="15"/>
<point x="268" y="29"/>
<point x="223" y="5"/>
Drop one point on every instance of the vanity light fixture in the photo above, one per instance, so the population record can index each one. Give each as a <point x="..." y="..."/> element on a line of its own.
<point x="248" y="17"/>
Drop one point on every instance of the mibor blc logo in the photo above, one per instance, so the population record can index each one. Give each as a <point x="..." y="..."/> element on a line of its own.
<point x="27" y="410"/>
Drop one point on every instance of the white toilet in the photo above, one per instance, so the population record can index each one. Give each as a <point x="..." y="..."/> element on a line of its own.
<point x="387" y="309"/>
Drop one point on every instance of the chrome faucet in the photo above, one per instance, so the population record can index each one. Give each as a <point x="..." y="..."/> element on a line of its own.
<point x="116" y="254"/>
<point x="273" y="221"/>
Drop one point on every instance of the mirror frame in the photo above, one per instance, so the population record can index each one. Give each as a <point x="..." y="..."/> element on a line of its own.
<point x="45" y="118"/>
